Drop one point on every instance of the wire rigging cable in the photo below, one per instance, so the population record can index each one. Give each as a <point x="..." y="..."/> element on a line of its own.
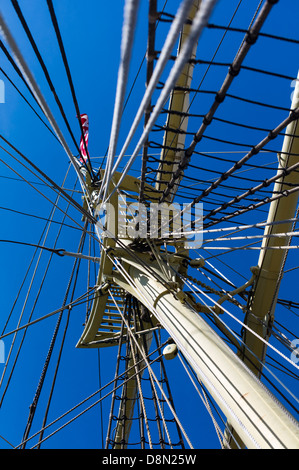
<point x="249" y="40"/>
<point x="197" y="28"/>
<point x="161" y="64"/>
<point x="49" y="180"/>
<point x="193" y="60"/>
<point x="33" y="406"/>
<point x="45" y="233"/>
<point x="159" y="269"/>
<point x="69" y="76"/>
<point x="79" y="404"/>
<point x="293" y="116"/>
<point x="129" y="25"/>
<point x="44" y="68"/>
<point x="24" y="98"/>
<point x="38" y="95"/>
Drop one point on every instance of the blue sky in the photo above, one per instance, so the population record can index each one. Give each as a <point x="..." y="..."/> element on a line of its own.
<point x="91" y="33"/>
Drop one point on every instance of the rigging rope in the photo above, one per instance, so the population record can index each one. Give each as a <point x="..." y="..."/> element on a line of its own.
<point x="44" y="68"/>
<point x="157" y="72"/>
<point x="250" y="39"/>
<point x="69" y="76"/>
<point x="128" y="31"/>
<point x="265" y="35"/>
<point x="76" y="406"/>
<point x="152" y="374"/>
<point x="39" y="96"/>
<point x="254" y="151"/>
<point x="246" y="346"/>
<point x="21" y="75"/>
<point x="33" y="406"/>
<point x="197" y="28"/>
<point x="77" y="264"/>
<point x="26" y="101"/>
<point x="49" y="180"/>
<point x="45" y="233"/>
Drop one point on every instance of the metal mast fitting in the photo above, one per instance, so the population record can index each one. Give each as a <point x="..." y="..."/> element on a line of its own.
<point x="259" y="419"/>
<point x="254" y="413"/>
<point x="103" y="326"/>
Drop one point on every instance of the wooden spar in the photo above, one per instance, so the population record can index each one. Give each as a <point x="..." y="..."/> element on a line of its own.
<point x="256" y="415"/>
<point x="179" y="102"/>
<point x="261" y="310"/>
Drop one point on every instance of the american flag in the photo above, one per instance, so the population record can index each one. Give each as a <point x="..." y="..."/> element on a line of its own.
<point x="85" y="127"/>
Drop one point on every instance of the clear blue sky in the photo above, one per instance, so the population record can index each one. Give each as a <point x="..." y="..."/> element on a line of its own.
<point x="91" y="32"/>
